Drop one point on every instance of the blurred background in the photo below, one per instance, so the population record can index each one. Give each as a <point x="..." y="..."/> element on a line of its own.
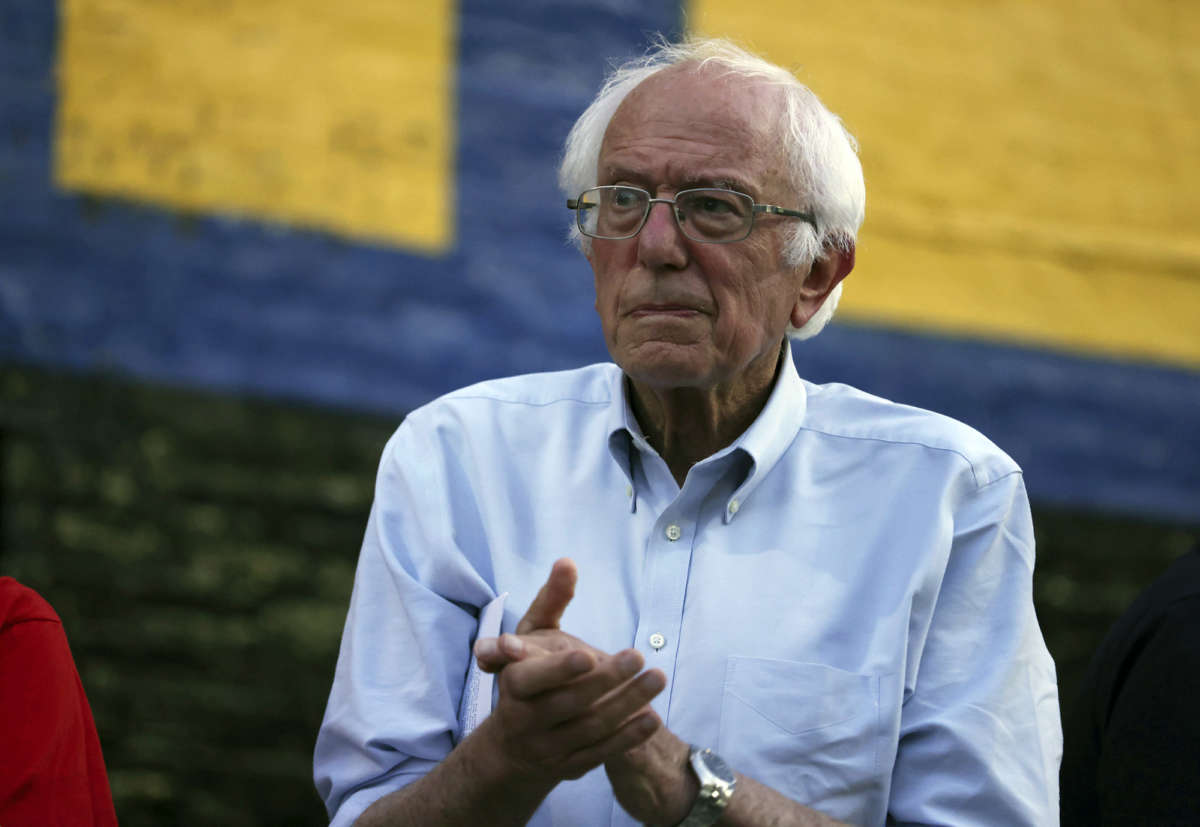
<point x="241" y="238"/>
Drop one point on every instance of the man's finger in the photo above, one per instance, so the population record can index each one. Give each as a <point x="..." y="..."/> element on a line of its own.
<point x="493" y="653"/>
<point x="632" y="733"/>
<point x="602" y="717"/>
<point x="489" y="656"/>
<point x="547" y="608"/>
<point x="528" y="678"/>
<point x="579" y="696"/>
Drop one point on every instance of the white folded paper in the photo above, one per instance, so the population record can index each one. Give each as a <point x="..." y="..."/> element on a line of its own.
<point x="477" y="693"/>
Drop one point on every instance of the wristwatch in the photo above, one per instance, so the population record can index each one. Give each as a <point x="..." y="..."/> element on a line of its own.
<point x="716" y="787"/>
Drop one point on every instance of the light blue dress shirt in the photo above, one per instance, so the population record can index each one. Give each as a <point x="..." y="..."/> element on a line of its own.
<point x="841" y="600"/>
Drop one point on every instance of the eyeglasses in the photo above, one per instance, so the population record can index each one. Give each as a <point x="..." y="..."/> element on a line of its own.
<point x="711" y="214"/>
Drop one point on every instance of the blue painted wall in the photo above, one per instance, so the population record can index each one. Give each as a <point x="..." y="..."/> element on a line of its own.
<point x="97" y="284"/>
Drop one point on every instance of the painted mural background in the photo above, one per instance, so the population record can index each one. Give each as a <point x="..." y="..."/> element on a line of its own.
<point x="355" y="204"/>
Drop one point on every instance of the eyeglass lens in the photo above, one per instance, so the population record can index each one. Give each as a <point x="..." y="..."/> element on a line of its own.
<point x="703" y="214"/>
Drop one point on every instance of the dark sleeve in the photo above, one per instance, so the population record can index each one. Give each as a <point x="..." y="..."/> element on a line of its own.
<point x="1081" y="745"/>
<point x="1149" y="763"/>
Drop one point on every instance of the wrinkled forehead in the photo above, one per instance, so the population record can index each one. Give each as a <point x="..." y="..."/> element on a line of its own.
<point x="694" y="107"/>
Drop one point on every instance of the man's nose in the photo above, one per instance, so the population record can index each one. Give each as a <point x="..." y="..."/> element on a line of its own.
<point x="661" y="242"/>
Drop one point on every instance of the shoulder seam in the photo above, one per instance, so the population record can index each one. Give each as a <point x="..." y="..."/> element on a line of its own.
<point x="527" y="402"/>
<point x="1002" y="477"/>
<point x="956" y="452"/>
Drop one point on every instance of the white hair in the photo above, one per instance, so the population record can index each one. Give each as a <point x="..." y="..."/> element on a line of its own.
<point x="822" y="155"/>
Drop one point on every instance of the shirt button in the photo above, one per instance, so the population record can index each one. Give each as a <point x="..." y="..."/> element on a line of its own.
<point x="673" y="532"/>
<point x="629" y="491"/>
<point x="734" y="505"/>
<point x="657" y="641"/>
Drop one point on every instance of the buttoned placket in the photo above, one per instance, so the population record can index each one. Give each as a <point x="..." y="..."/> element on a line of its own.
<point x="673" y="522"/>
<point x="672" y="537"/>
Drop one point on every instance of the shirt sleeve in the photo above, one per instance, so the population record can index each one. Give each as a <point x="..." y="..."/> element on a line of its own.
<point x="980" y="733"/>
<point x="51" y="767"/>
<point x="406" y="647"/>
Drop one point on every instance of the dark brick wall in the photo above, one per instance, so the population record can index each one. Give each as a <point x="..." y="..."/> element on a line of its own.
<point x="200" y="549"/>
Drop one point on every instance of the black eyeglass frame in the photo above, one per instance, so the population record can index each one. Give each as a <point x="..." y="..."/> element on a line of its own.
<point x="755" y="209"/>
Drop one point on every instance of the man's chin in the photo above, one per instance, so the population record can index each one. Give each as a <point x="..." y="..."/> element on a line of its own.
<point x="668" y="366"/>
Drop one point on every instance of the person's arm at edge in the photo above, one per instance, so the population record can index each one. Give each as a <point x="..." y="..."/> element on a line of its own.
<point x="51" y="765"/>
<point x="1147" y="764"/>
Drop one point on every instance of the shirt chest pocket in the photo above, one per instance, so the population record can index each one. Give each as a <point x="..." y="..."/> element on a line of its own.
<point x="810" y="731"/>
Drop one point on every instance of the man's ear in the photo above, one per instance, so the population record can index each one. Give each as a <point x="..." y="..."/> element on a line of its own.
<point x="825" y="274"/>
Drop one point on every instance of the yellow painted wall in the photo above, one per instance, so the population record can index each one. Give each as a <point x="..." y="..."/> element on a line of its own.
<point x="1033" y="169"/>
<point x="330" y="114"/>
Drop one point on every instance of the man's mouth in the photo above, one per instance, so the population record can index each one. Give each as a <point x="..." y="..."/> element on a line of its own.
<point x="664" y="310"/>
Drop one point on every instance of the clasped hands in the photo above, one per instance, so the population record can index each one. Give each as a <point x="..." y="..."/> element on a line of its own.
<point x="565" y="707"/>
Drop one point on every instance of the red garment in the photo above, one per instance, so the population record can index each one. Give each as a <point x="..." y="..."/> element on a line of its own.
<point x="51" y="769"/>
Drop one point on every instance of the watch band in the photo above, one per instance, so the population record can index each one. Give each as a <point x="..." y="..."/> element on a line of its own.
<point x="717" y="783"/>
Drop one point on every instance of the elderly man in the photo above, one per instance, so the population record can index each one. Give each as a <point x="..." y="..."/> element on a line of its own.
<point x="830" y="591"/>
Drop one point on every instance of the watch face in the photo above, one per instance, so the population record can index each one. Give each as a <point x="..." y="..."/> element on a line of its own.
<point x="717" y="765"/>
<point x="717" y="783"/>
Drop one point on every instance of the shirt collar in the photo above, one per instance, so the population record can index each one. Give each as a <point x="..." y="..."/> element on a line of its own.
<point x="764" y="442"/>
<point x="772" y="433"/>
<point x="624" y="435"/>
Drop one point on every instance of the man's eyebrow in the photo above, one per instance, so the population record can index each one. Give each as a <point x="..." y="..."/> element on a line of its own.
<point x="622" y="174"/>
<point x="719" y="181"/>
<point x="684" y="182"/>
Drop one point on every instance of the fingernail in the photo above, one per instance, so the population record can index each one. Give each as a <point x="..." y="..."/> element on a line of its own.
<point x="653" y="681"/>
<point x="579" y="661"/>
<point x="513" y="645"/>
<point x="486" y="647"/>
<point x="629" y="662"/>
